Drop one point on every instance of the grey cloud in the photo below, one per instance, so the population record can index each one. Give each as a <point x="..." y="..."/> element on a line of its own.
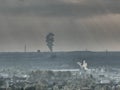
<point x="58" y="8"/>
<point x="29" y="21"/>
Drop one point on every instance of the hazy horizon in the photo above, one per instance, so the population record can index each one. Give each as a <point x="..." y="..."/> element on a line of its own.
<point x="77" y="24"/>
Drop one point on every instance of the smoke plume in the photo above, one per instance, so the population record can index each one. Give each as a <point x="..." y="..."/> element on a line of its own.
<point x="50" y="40"/>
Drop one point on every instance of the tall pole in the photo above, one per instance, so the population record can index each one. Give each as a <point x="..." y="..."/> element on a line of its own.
<point x="25" y="48"/>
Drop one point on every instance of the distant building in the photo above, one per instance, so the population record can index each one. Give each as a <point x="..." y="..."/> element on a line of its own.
<point x="38" y="51"/>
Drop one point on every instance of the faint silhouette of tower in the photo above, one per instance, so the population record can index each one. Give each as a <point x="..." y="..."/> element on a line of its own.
<point x="25" y="48"/>
<point x="106" y="52"/>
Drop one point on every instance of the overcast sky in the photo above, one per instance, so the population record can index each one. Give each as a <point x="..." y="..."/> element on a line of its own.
<point x="77" y="24"/>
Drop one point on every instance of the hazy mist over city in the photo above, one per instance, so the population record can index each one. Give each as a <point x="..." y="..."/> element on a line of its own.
<point x="77" y="24"/>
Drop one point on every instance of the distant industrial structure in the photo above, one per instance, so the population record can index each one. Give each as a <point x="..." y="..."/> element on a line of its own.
<point x="38" y="51"/>
<point x="25" y="48"/>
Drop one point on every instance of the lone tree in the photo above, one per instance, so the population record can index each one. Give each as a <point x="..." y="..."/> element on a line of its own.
<point x="50" y="41"/>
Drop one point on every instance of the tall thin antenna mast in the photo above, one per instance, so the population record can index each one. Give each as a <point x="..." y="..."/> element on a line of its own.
<point x="25" y="48"/>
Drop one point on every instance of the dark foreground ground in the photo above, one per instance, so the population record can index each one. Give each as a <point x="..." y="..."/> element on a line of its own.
<point x="58" y="60"/>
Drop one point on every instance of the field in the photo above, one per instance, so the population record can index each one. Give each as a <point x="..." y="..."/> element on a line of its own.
<point x="57" y="60"/>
